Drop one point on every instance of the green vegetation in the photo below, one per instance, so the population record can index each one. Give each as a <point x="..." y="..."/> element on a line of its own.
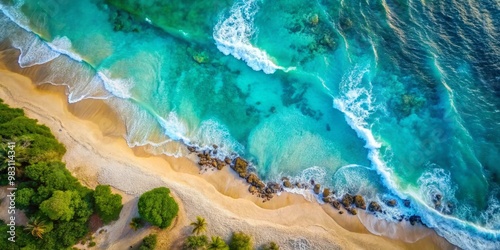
<point x="194" y="242"/>
<point x="136" y="223"/>
<point x="217" y="244"/>
<point x="108" y="205"/>
<point x="271" y="246"/>
<point x="241" y="241"/>
<point x="158" y="207"/>
<point x="149" y="242"/>
<point x="199" y="226"/>
<point x="57" y="205"/>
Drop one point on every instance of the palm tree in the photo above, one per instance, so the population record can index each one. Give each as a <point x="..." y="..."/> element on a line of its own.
<point x="199" y="225"/>
<point x="217" y="244"/>
<point x="37" y="227"/>
<point x="136" y="223"/>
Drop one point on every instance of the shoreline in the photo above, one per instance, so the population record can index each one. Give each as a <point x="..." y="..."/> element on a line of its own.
<point x="97" y="155"/>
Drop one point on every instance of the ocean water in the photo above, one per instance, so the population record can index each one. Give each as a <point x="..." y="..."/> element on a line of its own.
<point x="392" y="99"/>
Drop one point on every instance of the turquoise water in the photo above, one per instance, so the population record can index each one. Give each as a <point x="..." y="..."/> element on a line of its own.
<point x="390" y="99"/>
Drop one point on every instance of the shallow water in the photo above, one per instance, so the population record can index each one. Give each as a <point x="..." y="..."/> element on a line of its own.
<point x="390" y="99"/>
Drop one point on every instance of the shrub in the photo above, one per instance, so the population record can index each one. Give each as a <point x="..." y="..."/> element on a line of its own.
<point x="158" y="207"/>
<point x="107" y="204"/>
<point x="241" y="241"/>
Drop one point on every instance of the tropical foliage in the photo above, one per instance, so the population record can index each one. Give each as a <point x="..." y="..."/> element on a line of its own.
<point x="158" y="207"/>
<point x="149" y="242"/>
<point x="107" y="204"/>
<point x="217" y="244"/>
<point x="199" y="226"/>
<point x="196" y="242"/>
<point x="58" y="206"/>
<point x="241" y="241"/>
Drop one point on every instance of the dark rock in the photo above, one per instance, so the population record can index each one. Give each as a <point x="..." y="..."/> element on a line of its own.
<point x="316" y="188"/>
<point x="287" y="184"/>
<point x="252" y="189"/>
<point x="359" y="202"/>
<point x="326" y="192"/>
<point x="335" y="204"/>
<point x="374" y="207"/>
<point x="299" y="185"/>
<point x="215" y="146"/>
<point x="240" y="165"/>
<point x="391" y="203"/>
<point x="252" y="178"/>
<point x="406" y="203"/>
<point x="191" y="149"/>
<point x="347" y="200"/>
<point x="437" y="201"/>
<point x="450" y="207"/>
<point x="327" y="199"/>
<point x="341" y="212"/>
<point x="352" y="211"/>
<point x="438" y="197"/>
<point x="227" y="160"/>
<point x="415" y="219"/>
<point x="260" y="184"/>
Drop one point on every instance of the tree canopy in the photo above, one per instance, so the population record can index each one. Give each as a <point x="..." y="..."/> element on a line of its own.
<point x="107" y="204"/>
<point x="58" y="206"/>
<point x="158" y="207"/>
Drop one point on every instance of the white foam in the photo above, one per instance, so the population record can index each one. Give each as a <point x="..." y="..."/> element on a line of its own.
<point x="63" y="46"/>
<point x="174" y="127"/>
<point x="60" y="45"/>
<point x="232" y="36"/>
<point x="212" y="132"/>
<point x="355" y="102"/>
<point x="118" y="87"/>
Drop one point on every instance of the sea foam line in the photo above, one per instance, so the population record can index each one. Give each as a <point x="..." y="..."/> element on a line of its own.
<point x="464" y="234"/>
<point x="232" y="36"/>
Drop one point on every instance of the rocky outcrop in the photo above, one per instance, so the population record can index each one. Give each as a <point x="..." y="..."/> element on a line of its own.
<point x="406" y="203"/>
<point x="415" y="219"/>
<point x="347" y="200"/>
<point x="240" y="166"/>
<point x="437" y="201"/>
<point x="335" y="204"/>
<point x="317" y="188"/>
<point x="352" y="211"/>
<point x="391" y="203"/>
<point x="326" y="192"/>
<point x="359" y="202"/>
<point x="287" y="184"/>
<point x="374" y="207"/>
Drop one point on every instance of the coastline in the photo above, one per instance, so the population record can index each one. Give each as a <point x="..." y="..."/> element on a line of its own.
<point x="97" y="155"/>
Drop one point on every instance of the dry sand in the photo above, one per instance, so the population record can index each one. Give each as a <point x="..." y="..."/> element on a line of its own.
<point x="95" y="156"/>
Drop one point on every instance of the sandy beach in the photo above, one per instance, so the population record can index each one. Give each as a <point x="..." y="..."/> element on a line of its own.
<point x="96" y="154"/>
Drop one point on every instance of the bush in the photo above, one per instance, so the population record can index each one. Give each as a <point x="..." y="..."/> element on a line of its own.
<point x="158" y="207"/>
<point x="196" y="242"/>
<point x="271" y="246"/>
<point x="241" y="241"/>
<point x="107" y="205"/>
<point x="149" y="242"/>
